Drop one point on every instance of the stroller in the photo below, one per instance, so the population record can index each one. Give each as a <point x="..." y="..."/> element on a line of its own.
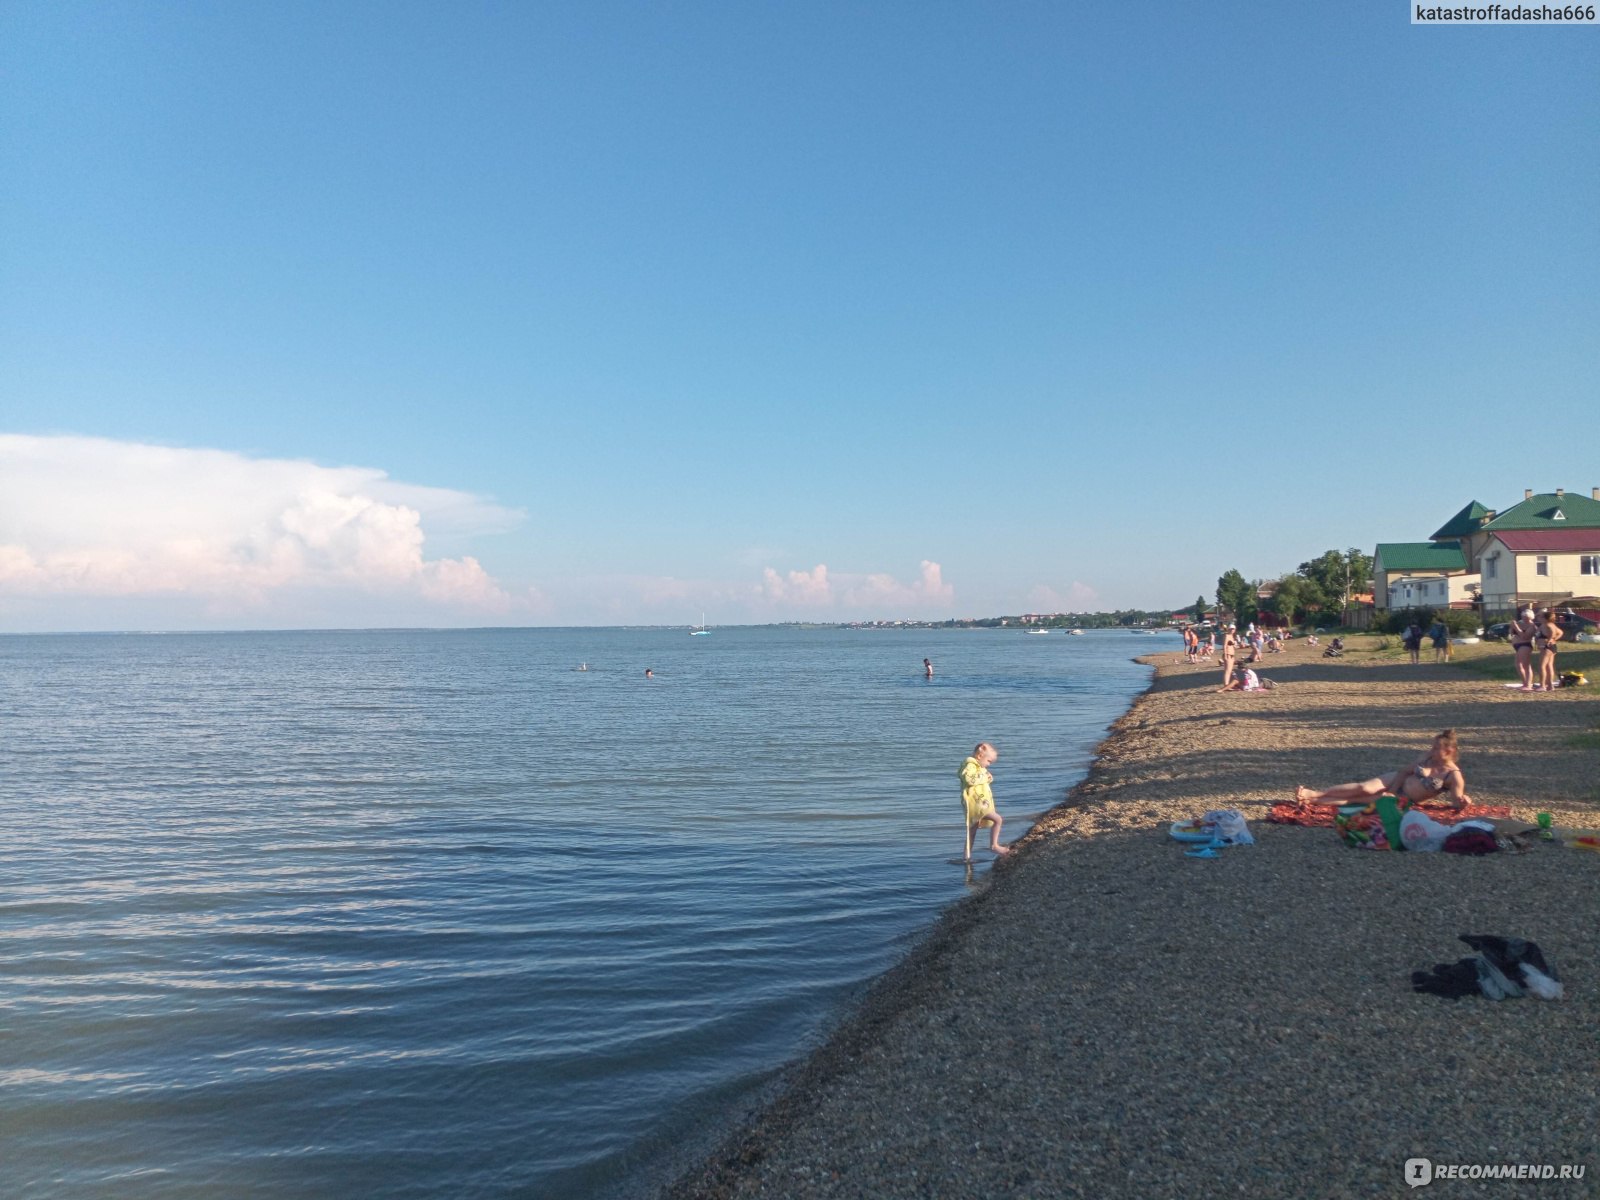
<point x="1335" y="649"/>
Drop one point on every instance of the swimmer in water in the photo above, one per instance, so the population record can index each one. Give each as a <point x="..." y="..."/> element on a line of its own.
<point x="927" y="668"/>
<point x="649" y="674"/>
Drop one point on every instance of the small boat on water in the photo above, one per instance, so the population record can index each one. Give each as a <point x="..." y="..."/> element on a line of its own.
<point x="702" y="631"/>
<point x="1040" y="632"/>
<point x="1075" y="632"/>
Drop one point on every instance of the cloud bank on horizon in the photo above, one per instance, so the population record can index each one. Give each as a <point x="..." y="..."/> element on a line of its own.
<point x="97" y="533"/>
<point x="91" y="517"/>
<point x="816" y="588"/>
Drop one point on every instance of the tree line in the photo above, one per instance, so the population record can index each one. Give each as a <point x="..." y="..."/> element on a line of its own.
<point x="1318" y="589"/>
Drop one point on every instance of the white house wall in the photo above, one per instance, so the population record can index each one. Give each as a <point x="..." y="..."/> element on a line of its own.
<point x="1518" y="576"/>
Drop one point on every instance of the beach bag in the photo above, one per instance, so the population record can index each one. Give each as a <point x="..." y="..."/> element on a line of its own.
<point x="1374" y="826"/>
<point x="1228" y="826"/>
<point x="1419" y="831"/>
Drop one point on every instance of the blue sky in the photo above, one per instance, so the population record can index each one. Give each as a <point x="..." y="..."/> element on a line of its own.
<point x="592" y="313"/>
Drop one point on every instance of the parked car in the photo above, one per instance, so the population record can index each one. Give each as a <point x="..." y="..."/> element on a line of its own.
<point x="1573" y="624"/>
<point x="1497" y="632"/>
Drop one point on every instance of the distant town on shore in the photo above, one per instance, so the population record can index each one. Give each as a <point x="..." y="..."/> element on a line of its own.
<point x="1479" y="567"/>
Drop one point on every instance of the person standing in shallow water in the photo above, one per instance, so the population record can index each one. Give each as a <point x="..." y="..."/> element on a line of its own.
<point x="977" y="797"/>
<point x="927" y="668"/>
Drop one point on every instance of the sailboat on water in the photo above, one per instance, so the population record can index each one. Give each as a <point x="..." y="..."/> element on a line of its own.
<point x="702" y="631"/>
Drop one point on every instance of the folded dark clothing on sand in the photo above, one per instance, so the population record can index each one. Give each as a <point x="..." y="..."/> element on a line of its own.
<point x="1503" y="969"/>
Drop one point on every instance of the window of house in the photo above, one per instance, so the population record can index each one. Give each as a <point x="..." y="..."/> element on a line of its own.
<point x="1489" y="565"/>
<point x="1541" y="564"/>
<point x="1589" y="564"/>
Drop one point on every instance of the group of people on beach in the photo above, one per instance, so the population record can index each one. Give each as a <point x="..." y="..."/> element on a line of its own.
<point x="1436" y="777"/>
<point x="1525" y="635"/>
<point x="1438" y="633"/>
<point x="1194" y="650"/>
<point x="1237" y="677"/>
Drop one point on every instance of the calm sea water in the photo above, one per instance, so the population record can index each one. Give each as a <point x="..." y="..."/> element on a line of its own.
<point x="395" y="914"/>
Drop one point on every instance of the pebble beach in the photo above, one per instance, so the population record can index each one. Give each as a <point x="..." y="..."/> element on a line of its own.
<point x="1105" y="1017"/>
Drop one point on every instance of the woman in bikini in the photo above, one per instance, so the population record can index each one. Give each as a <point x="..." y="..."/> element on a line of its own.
<point x="1549" y="635"/>
<point x="1520" y="634"/>
<point x="1230" y="643"/>
<point x="1435" y="777"/>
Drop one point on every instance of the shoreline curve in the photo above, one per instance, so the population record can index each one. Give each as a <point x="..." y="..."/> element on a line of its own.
<point x="1109" y="1019"/>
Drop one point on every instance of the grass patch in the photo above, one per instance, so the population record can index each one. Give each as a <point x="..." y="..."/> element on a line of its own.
<point x="1496" y="661"/>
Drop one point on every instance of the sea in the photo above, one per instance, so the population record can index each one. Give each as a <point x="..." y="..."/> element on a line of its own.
<point x="479" y="913"/>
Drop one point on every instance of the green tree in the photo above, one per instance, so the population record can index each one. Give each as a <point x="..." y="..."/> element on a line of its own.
<point x="1199" y="609"/>
<point x="1327" y="571"/>
<point x="1358" y="571"/>
<point x="1289" y="598"/>
<point x="1337" y="575"/>
<point x="1235" y="594"/>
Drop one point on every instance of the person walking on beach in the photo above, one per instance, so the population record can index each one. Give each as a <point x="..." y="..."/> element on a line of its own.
<point x="1436" y="776"/>
<point x="1230" y="645"/>
<point x="1440" y="633"/>
<point x="1412" y="638"/>
<point x="977" y="797"/>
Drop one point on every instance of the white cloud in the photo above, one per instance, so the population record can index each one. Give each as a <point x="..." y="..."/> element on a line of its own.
<point x="1079" y="597"/>
<point x="798" y="587"/>
<point x="94" y="517"/>
<point x="873" y="594"/>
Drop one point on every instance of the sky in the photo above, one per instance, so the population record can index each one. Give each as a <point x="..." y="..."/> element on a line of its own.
<point x="428" y="314"/>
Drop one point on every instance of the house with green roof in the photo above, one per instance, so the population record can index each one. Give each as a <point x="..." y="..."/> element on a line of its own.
<point x="1408" y="574"/>
<point x="1544" y="550"/>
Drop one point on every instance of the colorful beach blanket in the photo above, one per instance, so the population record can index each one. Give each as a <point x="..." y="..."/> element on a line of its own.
<point x="1292" y="812"/>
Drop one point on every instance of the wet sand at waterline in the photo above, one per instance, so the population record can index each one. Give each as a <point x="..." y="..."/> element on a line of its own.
<point x="1107" y="1018"/>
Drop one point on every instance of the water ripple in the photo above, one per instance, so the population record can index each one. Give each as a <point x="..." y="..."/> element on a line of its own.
<point x="422" y="914"/>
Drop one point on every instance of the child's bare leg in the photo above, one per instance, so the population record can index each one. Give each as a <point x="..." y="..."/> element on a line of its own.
<point x="970" y="829"/>
<point x="994" y="821"/>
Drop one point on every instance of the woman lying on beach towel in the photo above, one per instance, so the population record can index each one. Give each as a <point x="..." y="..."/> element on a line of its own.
<point x="1435" y="777"/>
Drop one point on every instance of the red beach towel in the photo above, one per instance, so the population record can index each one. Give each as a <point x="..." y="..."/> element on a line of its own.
<point x="1292" y="812"/>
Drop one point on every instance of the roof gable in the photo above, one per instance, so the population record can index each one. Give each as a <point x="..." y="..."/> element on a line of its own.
<point x="1549" y="511"/>
<point x="1463" y="524"/>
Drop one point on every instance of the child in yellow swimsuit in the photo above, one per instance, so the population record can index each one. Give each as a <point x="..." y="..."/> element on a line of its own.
<point x="977" y="796"/>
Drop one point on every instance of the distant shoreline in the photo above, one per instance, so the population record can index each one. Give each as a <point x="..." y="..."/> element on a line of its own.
<point x="1008" y="623"/>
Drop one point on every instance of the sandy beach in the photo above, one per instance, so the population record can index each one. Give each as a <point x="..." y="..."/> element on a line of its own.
<point x="1107" y="1018"/>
